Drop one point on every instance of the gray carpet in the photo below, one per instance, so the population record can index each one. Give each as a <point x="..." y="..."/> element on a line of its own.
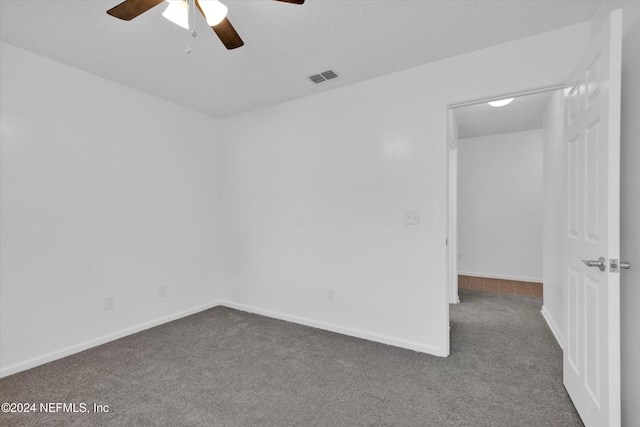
<point x="224" y="367"/>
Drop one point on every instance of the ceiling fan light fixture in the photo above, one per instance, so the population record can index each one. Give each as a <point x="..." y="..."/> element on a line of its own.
<point x="177" y="12"/>
<point x="501" y="102"/>
<point x="213" y="10"/>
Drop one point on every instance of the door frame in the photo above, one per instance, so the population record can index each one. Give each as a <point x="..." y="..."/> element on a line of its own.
<point x="451" y="164"/>
<point x="452" y="208"/>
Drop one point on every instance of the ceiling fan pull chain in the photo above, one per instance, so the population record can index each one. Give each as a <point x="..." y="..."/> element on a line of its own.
<point x="192" y="4"/>
<point x="194" y="34"/>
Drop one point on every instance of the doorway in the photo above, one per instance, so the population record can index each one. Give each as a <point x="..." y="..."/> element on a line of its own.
<point x="498" y="204"/>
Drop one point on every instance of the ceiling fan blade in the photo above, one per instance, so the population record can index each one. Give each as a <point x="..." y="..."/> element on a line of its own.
<point x="129" y="9"/>
<point x="228" y="35"/>
<point x="225" y="31"/>
<point x="292" y="1"/>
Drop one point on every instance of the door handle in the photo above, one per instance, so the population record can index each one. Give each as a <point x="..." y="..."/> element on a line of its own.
<point x="601" y="263"/>
<point x="615" y="266"/>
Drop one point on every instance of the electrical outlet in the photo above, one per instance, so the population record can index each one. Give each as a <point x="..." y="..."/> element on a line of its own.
<point x="412" y="217"/>
<point x="109" y="303"/>
<point x="330" y="294"/>
<point x="162" y="290"/>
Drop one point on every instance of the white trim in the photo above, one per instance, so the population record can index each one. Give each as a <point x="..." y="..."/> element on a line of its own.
<point x="496" y="95"/>
<point x="76" y="348"/>
<point x="452" y="212"/>
<point x="500" y="276"/>
<point x="553" y="326"/>
<point x="332" y="327"/>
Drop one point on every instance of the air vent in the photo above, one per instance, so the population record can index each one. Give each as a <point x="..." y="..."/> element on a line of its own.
<point x="330" y="74"/>
<point x="317" y="78"/>
<point x="323" y="77"/>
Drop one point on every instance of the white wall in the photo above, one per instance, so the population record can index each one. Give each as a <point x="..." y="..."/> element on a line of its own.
<point x="630" y="226"/>
<point x="105" y="191"/>
<point x="320" y="184"/>
<point x="500" y="206"/>
<point x="554" y="233"/>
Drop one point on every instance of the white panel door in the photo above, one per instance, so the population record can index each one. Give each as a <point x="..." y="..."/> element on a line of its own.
<point x="592" y="298"/>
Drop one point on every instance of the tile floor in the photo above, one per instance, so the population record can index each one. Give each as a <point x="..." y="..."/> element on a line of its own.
<point x="530" y="289"/>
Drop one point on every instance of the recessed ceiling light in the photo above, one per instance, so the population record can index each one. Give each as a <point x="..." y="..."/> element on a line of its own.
<point x="501" y="102"/>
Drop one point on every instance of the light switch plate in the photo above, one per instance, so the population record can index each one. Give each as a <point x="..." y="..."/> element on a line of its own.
<point x="412" y="217"/>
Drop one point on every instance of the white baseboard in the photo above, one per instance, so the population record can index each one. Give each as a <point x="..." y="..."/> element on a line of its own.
<point x="553" y="326"/>
<point x="358" y="333"/>
<point x="500" y="276"/>
<point x="76" y="348"/>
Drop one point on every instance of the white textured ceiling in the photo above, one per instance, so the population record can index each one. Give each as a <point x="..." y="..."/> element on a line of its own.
<point x="284" y="43"/>
<point x="524" y="113"/>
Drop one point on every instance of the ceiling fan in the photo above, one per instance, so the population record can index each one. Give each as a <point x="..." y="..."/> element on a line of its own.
<point x="178" y="12"/>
